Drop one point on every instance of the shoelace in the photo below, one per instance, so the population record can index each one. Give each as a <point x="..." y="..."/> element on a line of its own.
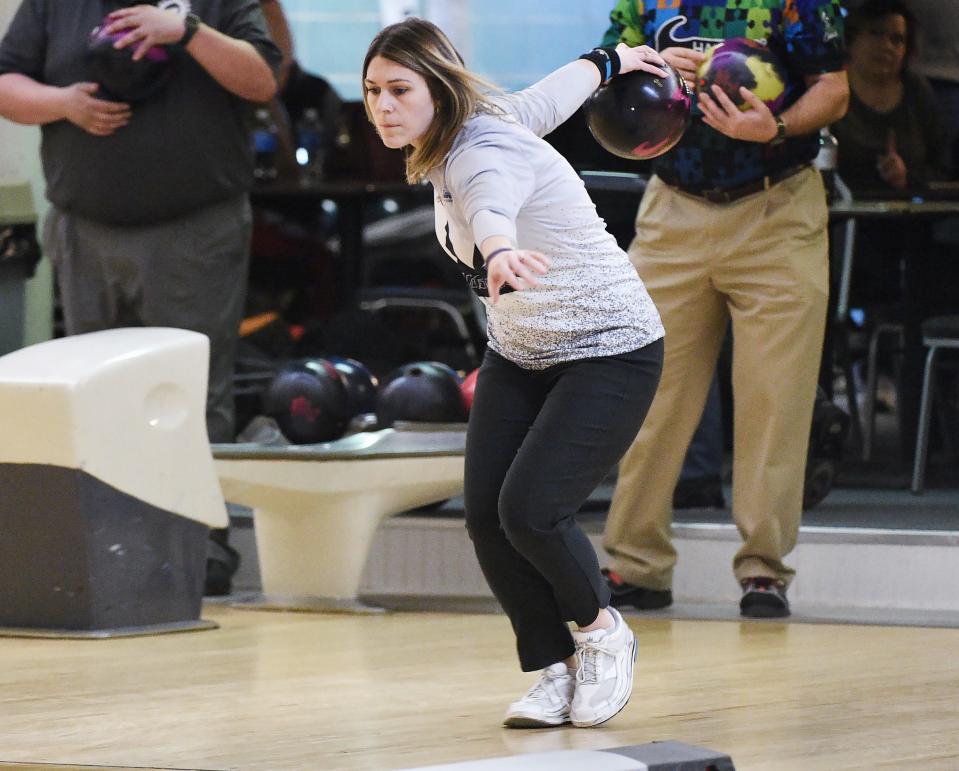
<point x="588" y="670"/>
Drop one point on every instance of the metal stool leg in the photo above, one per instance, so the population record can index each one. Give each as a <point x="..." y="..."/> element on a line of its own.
<point x="842" y="354"/>
<point x="925" y="413"/>
<point x="872" y="376"/>
<point x="842" y="315"/>
<point x="869" y="400"/>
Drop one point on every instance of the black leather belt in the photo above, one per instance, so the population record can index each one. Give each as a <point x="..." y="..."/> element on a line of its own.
<point x="718" y="195"/>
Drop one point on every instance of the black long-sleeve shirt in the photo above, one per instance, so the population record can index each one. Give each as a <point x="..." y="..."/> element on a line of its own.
<point x="863" y="136"/>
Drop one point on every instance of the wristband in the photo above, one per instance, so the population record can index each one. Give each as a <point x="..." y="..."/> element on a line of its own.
<point x="606" y="61"/>
<point x="191" y="23"/>
<point x="493" y="253"/>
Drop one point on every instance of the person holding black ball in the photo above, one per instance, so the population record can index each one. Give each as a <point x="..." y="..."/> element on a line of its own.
<point x="149" y="222"/>
<point x="575" y="347"/>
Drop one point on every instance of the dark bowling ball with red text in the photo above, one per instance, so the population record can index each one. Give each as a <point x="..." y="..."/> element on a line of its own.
<point x="309" y="403"/>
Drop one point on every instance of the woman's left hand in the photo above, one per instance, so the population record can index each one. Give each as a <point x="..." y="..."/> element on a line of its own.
<point x="755" y="125"/>
<point x="891" y="167"/>
<point x="146" y="26"/>
<point x="516" y="267"/>
<point x="640" y="58"/>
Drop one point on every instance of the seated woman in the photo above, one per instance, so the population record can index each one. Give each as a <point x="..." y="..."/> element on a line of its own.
<point x="891" y="139"/>
<point x="891" y="144"/>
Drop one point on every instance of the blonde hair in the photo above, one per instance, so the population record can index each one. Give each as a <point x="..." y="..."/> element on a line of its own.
<point x="457" y="93"/>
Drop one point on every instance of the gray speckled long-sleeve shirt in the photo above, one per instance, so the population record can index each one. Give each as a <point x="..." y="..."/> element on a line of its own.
<point x="501" y="178"/>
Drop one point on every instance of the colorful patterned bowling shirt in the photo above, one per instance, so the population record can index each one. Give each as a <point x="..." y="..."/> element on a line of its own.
<point x="807" y="35"/>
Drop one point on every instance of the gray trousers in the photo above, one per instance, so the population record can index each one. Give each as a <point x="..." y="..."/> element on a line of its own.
<point x="187" y="273"/>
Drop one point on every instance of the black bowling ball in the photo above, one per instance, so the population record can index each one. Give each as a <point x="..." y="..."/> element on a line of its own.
<point x="309" y="403"/>
<point x="639" y="115"/>
<point x="424" y="392"/>
<point x="433" y="368"/>
<point x="119" y="76"/>
<point x="360" y="383"/>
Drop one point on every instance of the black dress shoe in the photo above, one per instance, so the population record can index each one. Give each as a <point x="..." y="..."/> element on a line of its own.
<point x="222" y="561"/>
<point x="763" y="598"/>
<point x="623" y="594"/>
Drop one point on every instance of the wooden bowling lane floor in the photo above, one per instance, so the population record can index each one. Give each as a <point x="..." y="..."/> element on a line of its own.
<point x="277" y="691"/>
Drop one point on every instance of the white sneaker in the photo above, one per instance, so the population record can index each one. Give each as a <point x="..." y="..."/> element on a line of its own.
<point x="546" y="703"/>
<point x="604" y="680"/>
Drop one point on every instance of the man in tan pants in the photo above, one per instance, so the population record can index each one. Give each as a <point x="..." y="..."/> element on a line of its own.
<point x="732" y="228"/>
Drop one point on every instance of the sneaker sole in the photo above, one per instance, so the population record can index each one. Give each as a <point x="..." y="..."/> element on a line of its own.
<point x="525" y="721"/>
<point x="629" y="693"/>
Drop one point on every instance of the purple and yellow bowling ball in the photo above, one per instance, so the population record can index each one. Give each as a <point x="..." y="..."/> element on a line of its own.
<point x="741" y="62"/>
<point x="639" y="115"/>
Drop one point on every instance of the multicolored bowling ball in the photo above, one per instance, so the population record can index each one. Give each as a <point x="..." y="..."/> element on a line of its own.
<point x="639" y="115"/>
<point x="119" y="76"/>
<point x="741" y="62"/>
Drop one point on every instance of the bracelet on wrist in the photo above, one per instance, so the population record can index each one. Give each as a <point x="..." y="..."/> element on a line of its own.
<point x="606" y="61"/>
<point x="493" y="253"/>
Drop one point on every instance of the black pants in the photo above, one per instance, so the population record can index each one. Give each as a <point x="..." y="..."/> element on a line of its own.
<point x="539" y="442"/>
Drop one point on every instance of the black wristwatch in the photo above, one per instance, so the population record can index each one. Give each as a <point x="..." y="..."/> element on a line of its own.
<point x="780" y="132"/>
<point x="191" y="23"/>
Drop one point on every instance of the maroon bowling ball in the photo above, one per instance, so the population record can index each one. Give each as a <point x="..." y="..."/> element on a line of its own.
<point x="639" y="115"/>
<point x="468" y="389"/>
<point x="421" y="392"/>
<point x="119" y="76"/>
